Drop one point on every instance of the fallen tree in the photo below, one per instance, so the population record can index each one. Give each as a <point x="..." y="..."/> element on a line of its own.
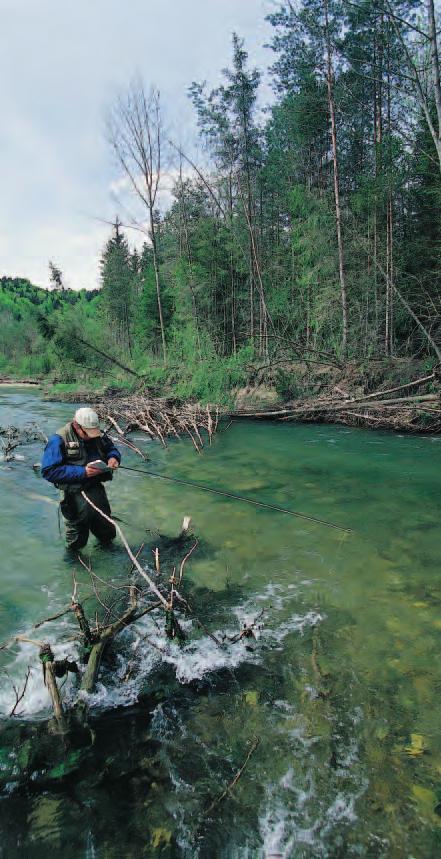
<point x="416" y="407"/>
<point x="122" y="605"/>
<point x="139" y="594"/>
<point x="411" y="412"/>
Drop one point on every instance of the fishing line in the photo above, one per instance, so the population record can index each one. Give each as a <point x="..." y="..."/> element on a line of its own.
<point x="236" y="497"/>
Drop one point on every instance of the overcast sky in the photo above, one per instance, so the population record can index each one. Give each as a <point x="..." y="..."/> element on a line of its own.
<point x="60" y="64"/>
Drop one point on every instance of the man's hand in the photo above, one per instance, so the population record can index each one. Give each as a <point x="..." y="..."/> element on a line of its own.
<point x="91" y="471"/>
<point x="113" y="462"/>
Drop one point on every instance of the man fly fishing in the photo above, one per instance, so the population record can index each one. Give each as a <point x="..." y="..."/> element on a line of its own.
<point x="78" y="457"/>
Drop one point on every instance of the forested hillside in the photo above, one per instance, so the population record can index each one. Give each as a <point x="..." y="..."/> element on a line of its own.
<point x="314" y="231"/>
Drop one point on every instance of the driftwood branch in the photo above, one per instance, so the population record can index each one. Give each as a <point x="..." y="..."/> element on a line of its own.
<point x="48" y="662"/>
<point x="132" y="557"/>
<point x="52" y="617"/>
<point x="236" y="778"/>
<point x="20" y="695"/>
<point x="184" y="560"/>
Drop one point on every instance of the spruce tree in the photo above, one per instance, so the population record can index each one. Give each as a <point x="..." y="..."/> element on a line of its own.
<point x="117" y="288"/>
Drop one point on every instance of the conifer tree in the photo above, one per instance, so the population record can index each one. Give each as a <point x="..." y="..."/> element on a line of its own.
<point x="117" y="287"/>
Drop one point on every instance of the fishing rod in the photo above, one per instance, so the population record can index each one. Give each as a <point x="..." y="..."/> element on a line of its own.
<point x="236" y="497"/>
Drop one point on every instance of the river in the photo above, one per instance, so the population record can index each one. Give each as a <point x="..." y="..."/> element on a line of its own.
<point x="342" y="686"/>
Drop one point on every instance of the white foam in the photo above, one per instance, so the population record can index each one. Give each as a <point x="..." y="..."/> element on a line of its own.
<point x="36" y="700"/>
<point x="143" y="647"/>
<point x="293" y="818"/>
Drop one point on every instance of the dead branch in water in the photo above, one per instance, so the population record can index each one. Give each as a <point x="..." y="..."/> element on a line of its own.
<point x="96" y="636"/>
<point x="248" y="630"/>
<point x="159" y="418"/>
<point x="47" y="660"/>
<point x="236" y="778"/>
<point x="184" y="560"/>
<point x="20" y="695"/>
<point x="12" y="437"/>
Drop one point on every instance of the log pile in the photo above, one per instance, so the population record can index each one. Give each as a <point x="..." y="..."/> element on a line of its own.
<point x="402" y="408"/>
<point x="160" y="418"/>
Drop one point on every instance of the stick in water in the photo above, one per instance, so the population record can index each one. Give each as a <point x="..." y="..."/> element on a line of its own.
<point x="132" y="557"/>
<point x="236" y="778"/>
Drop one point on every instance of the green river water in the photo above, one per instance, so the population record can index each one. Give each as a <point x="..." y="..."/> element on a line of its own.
<point x="342" y="687"/>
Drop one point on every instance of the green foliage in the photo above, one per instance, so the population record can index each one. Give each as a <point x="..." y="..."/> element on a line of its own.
<point x="71" y="763"/>
<point x="117" y="289"/>
<point x="24" y="350"/>
<point x="247" y="259"/>
<point x="202" y="375"/>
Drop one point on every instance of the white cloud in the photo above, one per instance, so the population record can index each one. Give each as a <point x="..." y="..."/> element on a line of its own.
<point x="60" y="66"/>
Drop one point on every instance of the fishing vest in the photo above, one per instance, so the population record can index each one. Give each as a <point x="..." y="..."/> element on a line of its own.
<point x="75" y="453"/>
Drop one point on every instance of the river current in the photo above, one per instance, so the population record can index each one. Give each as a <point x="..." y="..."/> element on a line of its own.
<point x="341" y="685"/>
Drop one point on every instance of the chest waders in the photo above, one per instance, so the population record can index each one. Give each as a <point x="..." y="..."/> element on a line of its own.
<point x="79" y="517"/>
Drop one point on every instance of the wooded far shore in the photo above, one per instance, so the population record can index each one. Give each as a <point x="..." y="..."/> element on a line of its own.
<point x="295" y="269"/>
<point x="398" y="395"/>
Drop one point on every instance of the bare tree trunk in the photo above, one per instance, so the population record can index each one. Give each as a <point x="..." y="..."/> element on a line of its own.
<point x="308" y="314"/>
<point x="391" y="272"/>
<point x="387" y="331"/>
<point x="251" y="270"/>
<point x="135" y="133"/>
<point x="389" y="263"/>
<point x="341" y="262"/>
<point x="185" y="238"/>
<point x="232" y="279"/>
<point x="264" y="315"/>
<point x="434" y="55"/>
<point x="253" y="262"/>
<point x="389" y="223"/>
<point x="233" y="306"/>
<point x="157" y="283"/>
<point x="374" y="213"/>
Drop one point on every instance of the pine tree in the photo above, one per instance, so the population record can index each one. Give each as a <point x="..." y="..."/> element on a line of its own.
<point x="117" y="288"/>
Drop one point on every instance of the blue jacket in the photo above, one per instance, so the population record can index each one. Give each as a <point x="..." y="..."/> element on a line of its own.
<point x="55" y="469"/>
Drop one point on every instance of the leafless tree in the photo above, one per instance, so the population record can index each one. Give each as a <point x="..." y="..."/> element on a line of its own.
<point x="423" y="63"/>
<point x="135" y="130"/>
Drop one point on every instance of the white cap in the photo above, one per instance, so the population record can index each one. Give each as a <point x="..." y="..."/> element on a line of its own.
<point x="88" y="421"/>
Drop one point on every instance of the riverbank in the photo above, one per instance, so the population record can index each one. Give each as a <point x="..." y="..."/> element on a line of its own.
<point x="397" y="394"/>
